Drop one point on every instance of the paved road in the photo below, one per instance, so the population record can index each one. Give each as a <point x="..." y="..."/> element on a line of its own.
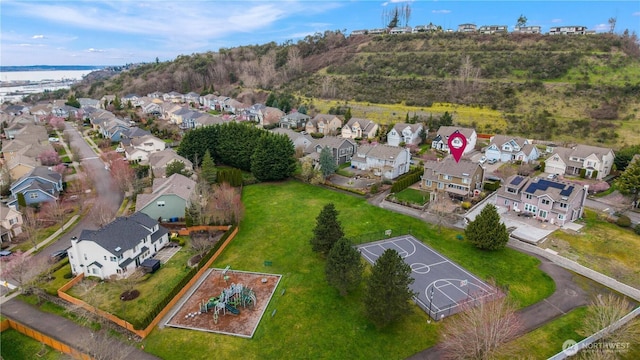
<point x="103" y="185"/>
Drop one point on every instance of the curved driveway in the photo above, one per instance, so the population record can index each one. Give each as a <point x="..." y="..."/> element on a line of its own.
<point x="103" y="184"/>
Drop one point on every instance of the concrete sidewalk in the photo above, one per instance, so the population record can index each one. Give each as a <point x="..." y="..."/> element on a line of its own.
<point x="63" y="330"/>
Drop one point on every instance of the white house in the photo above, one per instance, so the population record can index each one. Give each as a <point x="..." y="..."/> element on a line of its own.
<point x="359" y="128"/>
<point x="140" y="148"/>
<point x="383" y="160"/>
<point x="441" y="141"/>
<point x="505" y="148"/>
<point x="118" y="248"/>
<point x="595" y="162"/>
<point x="404" y="133"/>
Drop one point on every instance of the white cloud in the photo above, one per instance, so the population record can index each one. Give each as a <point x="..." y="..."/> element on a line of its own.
<point x="555" y="21"/>
<point x="637" y="13"/>
<point x="92" y="50"/>
<point x="601" y="27"/>
<point x="37" y="37"/>
<point x="441" y="11"/>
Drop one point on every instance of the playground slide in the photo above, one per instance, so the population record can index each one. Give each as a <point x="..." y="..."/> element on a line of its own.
<point x="232" y="309"/>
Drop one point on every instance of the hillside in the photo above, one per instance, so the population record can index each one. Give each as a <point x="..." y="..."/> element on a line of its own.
<point x="565" y="88"/>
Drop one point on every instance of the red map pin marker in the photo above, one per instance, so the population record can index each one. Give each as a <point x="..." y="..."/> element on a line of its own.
<point x="457" y="144"/>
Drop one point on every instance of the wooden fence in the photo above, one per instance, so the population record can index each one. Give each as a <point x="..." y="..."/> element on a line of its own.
<point x="45" y="339"/>
<point x="187" y="231"/>
<point x="125" y="324"/>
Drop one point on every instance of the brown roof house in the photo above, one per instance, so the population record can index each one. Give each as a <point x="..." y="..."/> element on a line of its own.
<point x="548" y="200"/>
<point x="323" y="124"/>
<point x="460" y="180"/>
<point x="357" y="128"/>
<point x="582" y="160"/>
<point x="168" y="199"/>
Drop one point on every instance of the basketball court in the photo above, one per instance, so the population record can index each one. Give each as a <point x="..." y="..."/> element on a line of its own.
<point x="442" y="286"/>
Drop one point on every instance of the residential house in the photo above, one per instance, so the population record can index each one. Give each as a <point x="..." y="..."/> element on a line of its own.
<point x="549" y="200"/>
<point x="441" y="141"/>
<point x="567" y="30"/>
<point x="324" y="124"/>
<point x="359" y="32"/>
<point x="493" y="29"/>
<point x="532" y="29"/>
<point x="378" y="31"/>
<point x="342" y="149"/>
<point x="400" y="30"/>
<point x="192" y="97"/>
<point x="106" y="100"/>
<point x="461" y="180"/>
<point x="88" y="102"/>
<point x="159" y="161"/>
<point x="168" y="109"/>
<point x="357" y="128"/>
<point x="156" y="95"/>
<point x="42" y="110"/>
<point x="467" y="28"/>
<point x="173" y="97"/>
<point x="405" y="133"/>
<point x="383" y="160"/>
<point x="176" y="117"/>
<point x="270" y="116"/>
<point x="206" y="119"/>
<point x="130" y="98"/>
<point x="38" y="186"/>
<point x="294" y="120"/>
<point x="140" y="148"/>
<point x="113" y="129"/>
<point x="10" y="223"/>
<point x="581" y="160"/>
<point x="118" y="248"/>
<point x="425" y="28"/>
<point x="506" y="148"/>
<point x="168" y="199"/>
<point x="16" y="110"/>
<point x="300" y="141"/>
<point x="208" y="101"/>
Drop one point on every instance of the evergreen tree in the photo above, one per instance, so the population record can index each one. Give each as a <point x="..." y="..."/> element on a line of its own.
<point x="629" y="181"/>
<point x="116" y="103"/>
<point x="302" y="109"/>
<point x="22" y="202"/>
<point x="486" y="231"/>
<point x="328" y="230"/>
<point x="446" y="119"/>
<point x="328" y="164"/>
<point x="72" y="101"/>
<point x="387" y="295"/>
<point x="208" y="168"/>
<point x="347" y="115"/>
<point x="270" y="100"/>
<point x="344" y="268"/>
<point x="177" y="167"/>
<point x="273" y="157"/>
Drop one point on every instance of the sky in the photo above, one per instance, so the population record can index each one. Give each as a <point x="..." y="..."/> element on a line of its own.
<point x="118" y="32"/>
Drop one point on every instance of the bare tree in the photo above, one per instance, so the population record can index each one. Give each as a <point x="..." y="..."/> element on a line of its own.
<point x="481" y="329"/>
<point x="603" y="312"/>
<point x="53" y="211"/>
<point x="24" y="270"/>
<point x="102" y="214"/>
<point x="30" y="225"/>
<point x="227" y="205"/>
<point x="101" y="346"/>
<point x="612" y="24"/>
<point x="468" y="76"/>
<point x="200" y="243"/>
<point x="200" y="201"/>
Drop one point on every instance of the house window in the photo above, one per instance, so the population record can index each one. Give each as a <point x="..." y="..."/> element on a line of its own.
<point x="33" y="195"/>
<point x="564" y="205"/>
<point x="118" y="271"/>
<point x="428" y="182"/>
<point x="466" y="180"/>
<point x="71" y="256"/>
<point x="440" y="185"/>
<point x="105" y="257"/>
<point x="94" y="271"/>
<point x="560" y="216"/>
<point x="13" y="221"/>
<point x="512" y="190"/>
<point x="543" y="214"/>
<point x="506" y="202"/>
<point x="160" y="203"/>
<point x="446" y="177"/>
<point x="112" y="258"/>
<point x="546" y="201"/>
<point x="85" y="256"/>
<point x="528" y="196"/>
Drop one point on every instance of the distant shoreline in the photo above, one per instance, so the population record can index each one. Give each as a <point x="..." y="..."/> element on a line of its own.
<point x="50" y="68"/>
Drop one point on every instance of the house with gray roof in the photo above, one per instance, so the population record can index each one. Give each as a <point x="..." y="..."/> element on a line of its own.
<point x="441" y="141"/>
<point x="323" y="124"/>
<point x="168" y="199"/>
<point x="405" y="133"/>
<point x="553" y="201"/>
<point x="357" y="128"/>
<point x="383" y="160"/>
<point x="581" y="160"/>
<point x="38" y="186"/>
<point x="294" y="120"/>
<point x="461" y="180"/>
<point x="342" y="149"/>
<point x="159" y="161"/>
<point x="507" y="148"/>
<point x="118" y="248"/>
<point x="299" y="140"/>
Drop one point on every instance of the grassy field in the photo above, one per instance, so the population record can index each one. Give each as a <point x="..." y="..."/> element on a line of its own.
<point x="413" y="196"/>
<point x="547" y="340"/>
<point x="16" y="346"/>
<point x="601" y="246"/>
<point x="312" y="320"/>
<point x="153" y="288"/>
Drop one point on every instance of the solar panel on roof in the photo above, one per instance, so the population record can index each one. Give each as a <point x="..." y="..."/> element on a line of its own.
<point x="545" y="184"/>
<point x="516" y="180"/>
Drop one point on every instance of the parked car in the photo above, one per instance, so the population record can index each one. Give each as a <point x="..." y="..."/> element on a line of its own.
<point x="552" y="176"/>
<point x="525" y="214"/>
<point x="482" y="160"/>
<point x="58" y="255"/>
<point x="492" y="161"/>
<point x="4" y="253"/>
<point x="53" y="139"/>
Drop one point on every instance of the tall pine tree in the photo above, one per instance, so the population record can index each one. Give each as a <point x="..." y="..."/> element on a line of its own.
<point x="387" y="295"/>
<point x="208" y="168"/>
<point x="486" y="231"/>
<point x="328" y="230"/>
<point x="344" y="267"/>
<point x="327" y="162"/>
<point x="273" y="157"/>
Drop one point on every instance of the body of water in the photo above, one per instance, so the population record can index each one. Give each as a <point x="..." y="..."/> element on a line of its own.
<point x="39" y="76"/>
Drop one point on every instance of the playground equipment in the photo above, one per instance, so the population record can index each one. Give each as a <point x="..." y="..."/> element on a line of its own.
<point x="229" y="300"/>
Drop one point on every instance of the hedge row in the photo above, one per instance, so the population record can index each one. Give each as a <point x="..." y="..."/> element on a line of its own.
<point x="406" y="180"/>
<point x="142" y="324"/>
<point x="491" y="185"/>
<point x="231" y="176"/>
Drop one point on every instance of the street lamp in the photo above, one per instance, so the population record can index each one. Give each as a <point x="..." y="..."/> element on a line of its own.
<point x="430" y="302"/>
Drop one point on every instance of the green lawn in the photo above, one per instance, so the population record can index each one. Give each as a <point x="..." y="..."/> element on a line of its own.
<point x="312" y="320"/>
<point x="412" y="196"/>
<point x="603" y="247"/>
<point x="547" y="340"/>
<point x="16" y="346"/>
<point x="153" y="288"/>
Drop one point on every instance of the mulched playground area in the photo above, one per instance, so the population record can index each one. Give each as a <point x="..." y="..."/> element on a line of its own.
<point x="442" y="286"/>
<point x="187" y="315"/>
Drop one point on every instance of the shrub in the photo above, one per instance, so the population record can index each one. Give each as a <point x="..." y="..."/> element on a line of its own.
<point x="637" y="229"/>
<point x="375" y="188"/>
<point x="466" y="205"/>
<point x="623" y="221"/>
<point x="491" y="185"/>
